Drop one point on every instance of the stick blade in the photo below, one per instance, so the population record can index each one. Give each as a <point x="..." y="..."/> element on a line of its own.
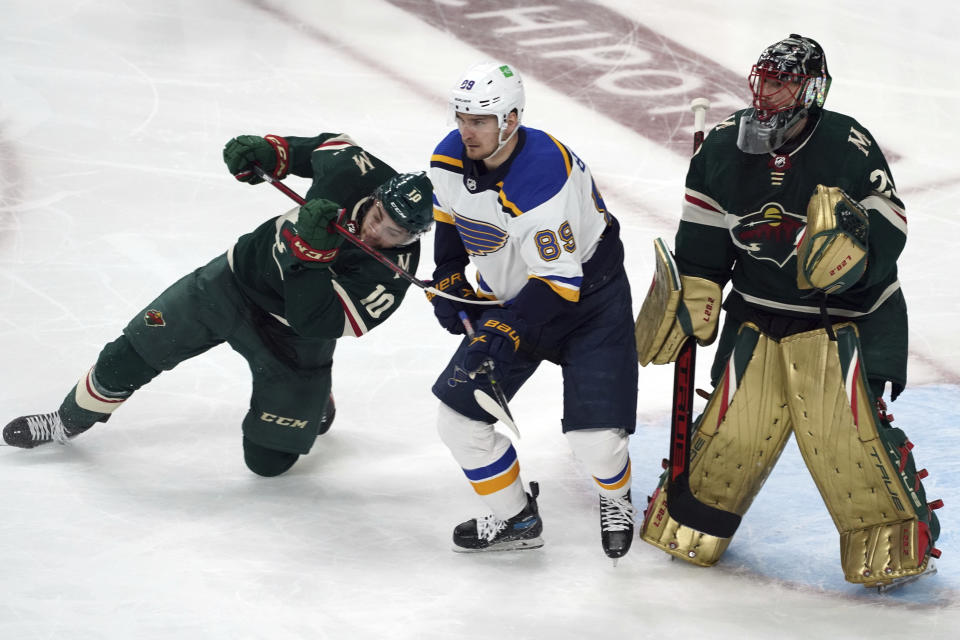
<point x="684" y="507"/>
<point x="493" y="407"/>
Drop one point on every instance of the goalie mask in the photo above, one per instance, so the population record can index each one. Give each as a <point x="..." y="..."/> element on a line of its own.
<point x="490" y="88"/>
<point x="789" y="81"/>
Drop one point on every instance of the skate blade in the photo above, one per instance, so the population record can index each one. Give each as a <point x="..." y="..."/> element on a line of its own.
<point x="512" y="545"/>
<point x="896" y="583"/>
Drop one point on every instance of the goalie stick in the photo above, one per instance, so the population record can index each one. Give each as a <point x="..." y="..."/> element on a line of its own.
<point x="373" y="253"/>
<point x="682" y="505"/>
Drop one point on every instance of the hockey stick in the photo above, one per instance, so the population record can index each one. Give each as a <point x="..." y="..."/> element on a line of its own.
<point x="373" y="253"/>
<point x="682" y="505"/>
<point x="497" y="408"/>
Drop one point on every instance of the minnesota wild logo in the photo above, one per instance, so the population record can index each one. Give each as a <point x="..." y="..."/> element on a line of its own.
<point x="769" y="234"/>
<point x="154" y="318"/>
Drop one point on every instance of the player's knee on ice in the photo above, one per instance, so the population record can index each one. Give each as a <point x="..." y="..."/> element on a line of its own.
<point x="266" y="462"/>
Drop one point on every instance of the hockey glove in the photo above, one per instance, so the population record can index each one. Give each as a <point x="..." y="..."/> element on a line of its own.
<point x="272" y="153"/>
<point x="311" y="234"/>
<point x="832" y="251"/>
<point x="496" y="341"/>
<point x="447" y="310"/>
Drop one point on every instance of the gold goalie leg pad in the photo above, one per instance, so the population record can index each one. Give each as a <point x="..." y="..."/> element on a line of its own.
<point x="738" y="439"/>
<point x="862" y="467"/>
<point x="880" y="554"/>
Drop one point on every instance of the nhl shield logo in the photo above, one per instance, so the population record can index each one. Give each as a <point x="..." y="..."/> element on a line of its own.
<point x="471" y="185"/>
<point x="154" y="318"/>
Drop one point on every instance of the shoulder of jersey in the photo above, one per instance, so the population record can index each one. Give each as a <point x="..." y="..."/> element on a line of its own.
<point x="539" y="171"/>
<point x="448" y="154"/>
<point x="725" y="131"/>
<point x="841" y="124"/>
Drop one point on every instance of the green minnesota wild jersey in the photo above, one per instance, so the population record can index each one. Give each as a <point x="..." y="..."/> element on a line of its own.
<point x="354" y="293"/>
<point x="743" y="215"/>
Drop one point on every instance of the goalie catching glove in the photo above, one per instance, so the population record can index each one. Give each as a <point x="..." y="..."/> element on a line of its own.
<point x="832" y="251"/>
<point x="272" y="153"/>
<point x="676" y="307"/>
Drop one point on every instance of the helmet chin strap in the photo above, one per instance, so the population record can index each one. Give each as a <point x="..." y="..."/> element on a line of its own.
<point x="504" y="141"/>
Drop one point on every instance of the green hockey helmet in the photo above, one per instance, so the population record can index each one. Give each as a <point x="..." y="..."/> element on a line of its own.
<point x="408" y="200"/>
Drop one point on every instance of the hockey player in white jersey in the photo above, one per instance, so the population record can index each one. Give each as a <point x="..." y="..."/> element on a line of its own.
<point x="524" y="209"/>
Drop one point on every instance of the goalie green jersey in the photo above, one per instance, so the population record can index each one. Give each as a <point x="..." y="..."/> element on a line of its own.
<point x="355" y="292"/>
<point x="743" y="215"/>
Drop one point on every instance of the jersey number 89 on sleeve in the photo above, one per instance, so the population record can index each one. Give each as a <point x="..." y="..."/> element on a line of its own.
<point x="547" y="243"/>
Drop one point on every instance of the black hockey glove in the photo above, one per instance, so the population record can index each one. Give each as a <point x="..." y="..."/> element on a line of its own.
<point x="312" y="238"/>
<point x="272" y="153"/>
<point x="447" y="310"/>
<point x="497" y="339"/>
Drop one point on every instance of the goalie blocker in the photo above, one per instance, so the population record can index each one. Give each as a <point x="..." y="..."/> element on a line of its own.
<point x="812" y="386"/>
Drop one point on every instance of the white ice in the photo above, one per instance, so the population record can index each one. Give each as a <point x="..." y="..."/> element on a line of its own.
<point x="112" y="118"/>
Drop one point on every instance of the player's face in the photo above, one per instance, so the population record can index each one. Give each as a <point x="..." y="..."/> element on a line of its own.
<point x="380" y="231"/>
<point x="773" y="91"/>
<point x="480" y="134"/>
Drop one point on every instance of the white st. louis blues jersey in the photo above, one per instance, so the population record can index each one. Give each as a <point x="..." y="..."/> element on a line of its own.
<point x="537" y="216"/>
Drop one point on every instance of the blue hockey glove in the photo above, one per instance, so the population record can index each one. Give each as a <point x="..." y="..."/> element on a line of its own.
<point x="497" y="340"/>
<point x="447" y="310"/>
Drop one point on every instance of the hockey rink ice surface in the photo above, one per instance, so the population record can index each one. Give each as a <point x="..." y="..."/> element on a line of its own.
<point x="112" y="120"/>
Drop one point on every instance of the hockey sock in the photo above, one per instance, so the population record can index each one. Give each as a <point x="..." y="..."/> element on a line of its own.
<point x="118" y="372"/>
<point x="605" y="454"/>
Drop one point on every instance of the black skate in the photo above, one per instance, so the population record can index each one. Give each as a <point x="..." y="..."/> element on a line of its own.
<point x="616" y="525"/>
<point x="489" y="533"/>
<point x="328" y="415"/>
<point x="28" y="432"/>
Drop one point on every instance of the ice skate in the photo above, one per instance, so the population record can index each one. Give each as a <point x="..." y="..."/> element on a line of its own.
<point x="489" y="533"/>
<point x="896" y="583"/>
<point x="616" y="525"/>
<point x="28" y="432"/>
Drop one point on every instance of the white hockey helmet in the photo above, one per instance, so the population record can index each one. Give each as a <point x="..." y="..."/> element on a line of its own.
<point x="489" y="88"/>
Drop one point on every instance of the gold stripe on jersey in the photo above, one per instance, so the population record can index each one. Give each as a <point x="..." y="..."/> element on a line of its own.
<point x="573" y="295"/>
<point x="448" y="160"/>
<point x="564" y="152"/>
<point x="507" y="205"/>
<point x="442" y="216"/>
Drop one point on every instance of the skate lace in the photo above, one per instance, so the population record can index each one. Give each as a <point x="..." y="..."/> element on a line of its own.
<point x="616" y="514"/>
<point x="489" y="526"/>
<point x="47" y="426"/>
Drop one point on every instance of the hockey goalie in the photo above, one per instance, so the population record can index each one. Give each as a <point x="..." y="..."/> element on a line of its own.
<point x="794" y="207"/>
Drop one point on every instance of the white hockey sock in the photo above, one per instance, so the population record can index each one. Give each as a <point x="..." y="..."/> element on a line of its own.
<point x="605" y="455"/>
<point x="487" y="458"/>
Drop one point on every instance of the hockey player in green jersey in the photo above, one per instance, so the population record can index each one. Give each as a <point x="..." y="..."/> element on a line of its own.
<point x="794" y="206"/>
<point x="281" y="296"/>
